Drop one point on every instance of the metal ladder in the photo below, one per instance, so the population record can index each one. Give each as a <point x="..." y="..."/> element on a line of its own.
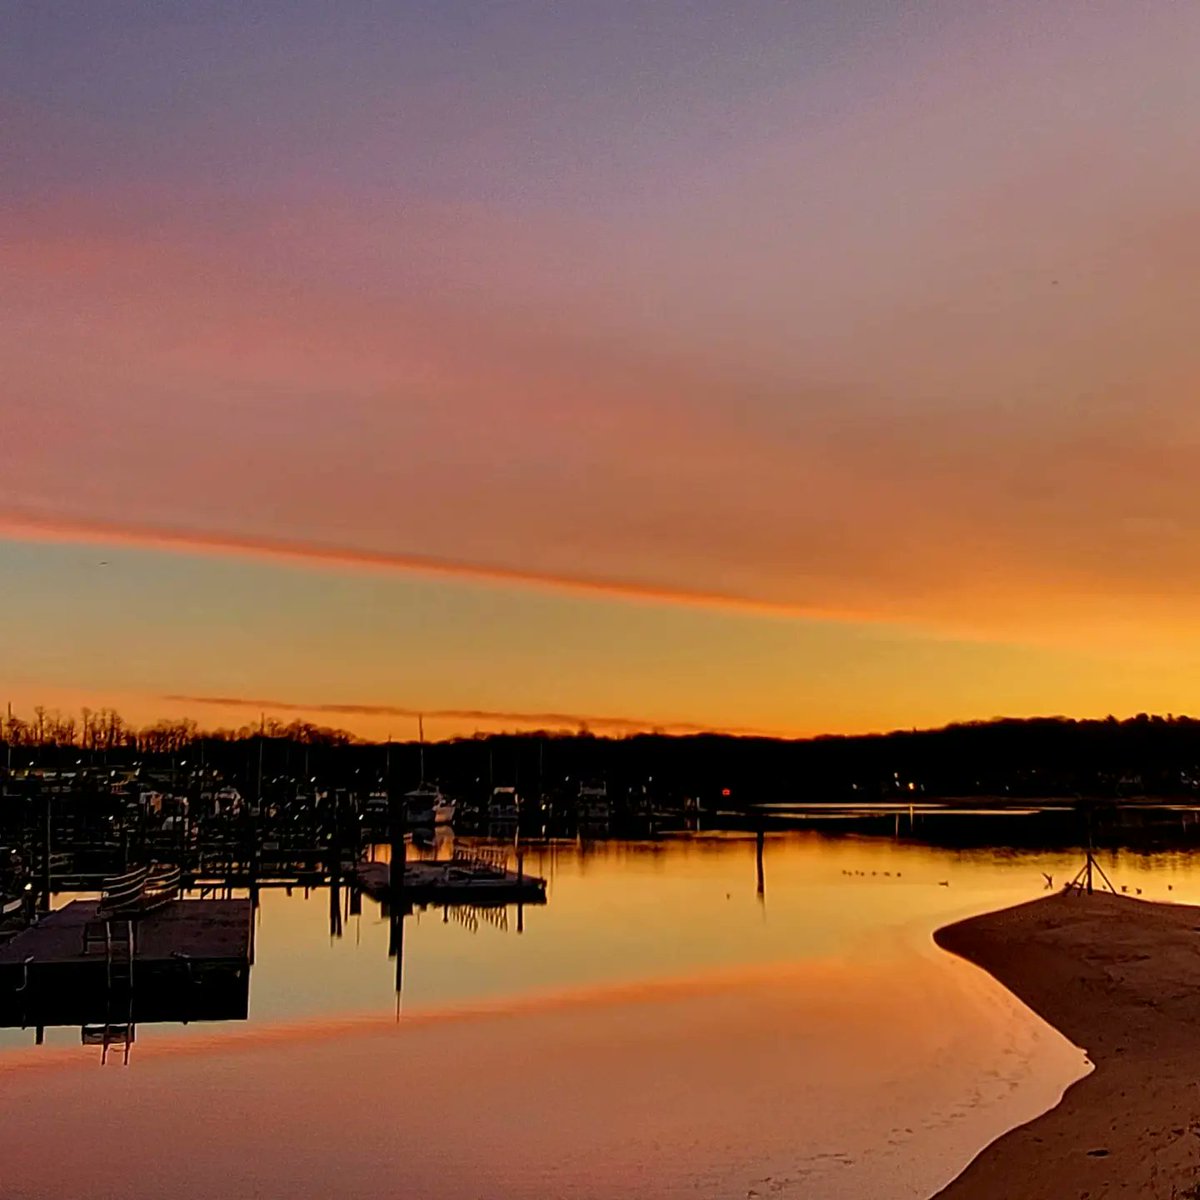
<point x="119" y="954"/>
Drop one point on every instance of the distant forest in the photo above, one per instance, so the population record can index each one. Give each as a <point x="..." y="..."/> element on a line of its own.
<point x="1040" y="757"/>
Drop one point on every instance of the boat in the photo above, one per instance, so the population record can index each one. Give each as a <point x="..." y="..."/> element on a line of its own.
<point x="504" y="806"/>
<point x="15" y="893"/>
<point x="227" y="800"/>
<point x="427" y="807"/>
<point x="594" y="807"/>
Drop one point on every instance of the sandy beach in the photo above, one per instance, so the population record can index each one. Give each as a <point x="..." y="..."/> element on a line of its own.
<point x="1120" y="978"/>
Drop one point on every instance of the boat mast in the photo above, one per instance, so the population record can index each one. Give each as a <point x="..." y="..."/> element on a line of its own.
<point x="421" y="734"/>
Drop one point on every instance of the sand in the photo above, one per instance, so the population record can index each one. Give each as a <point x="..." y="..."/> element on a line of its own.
<point x="1120" y="978"/>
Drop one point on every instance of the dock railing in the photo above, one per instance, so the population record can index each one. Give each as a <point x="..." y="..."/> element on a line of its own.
<point x="483" y="858"/>
<point x="162" y="886"/>
<point x="471" y="916"/>
<point x="122" y="894"/>
<point x="133" y="894"/>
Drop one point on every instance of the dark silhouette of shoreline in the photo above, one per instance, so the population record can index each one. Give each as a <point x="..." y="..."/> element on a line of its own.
<point x="1054" y="758"/>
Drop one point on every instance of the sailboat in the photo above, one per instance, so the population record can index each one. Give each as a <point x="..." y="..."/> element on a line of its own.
<point x="426" y="806"/>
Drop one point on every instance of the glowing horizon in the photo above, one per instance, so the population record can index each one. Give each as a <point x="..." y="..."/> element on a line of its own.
<point x="816" y="370"/>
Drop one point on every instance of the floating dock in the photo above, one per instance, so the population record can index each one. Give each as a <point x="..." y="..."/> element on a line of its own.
<point x="451" y="881"/>
<point x="190" y="960"/>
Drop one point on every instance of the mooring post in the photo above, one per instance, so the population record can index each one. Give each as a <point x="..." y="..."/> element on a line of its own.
<point x="397" y="820"/>
<point x="251" y="851"/>
<point x="47" y="876"/>
<point x="397" y="951"/>
<point x="183" y="816"/>
<point x="335" y="871"/>
<point x="520" y="886"/>
<point x="335" y="906"/>
<point x="1089" y="851"/>
<point x="759" y="839"/>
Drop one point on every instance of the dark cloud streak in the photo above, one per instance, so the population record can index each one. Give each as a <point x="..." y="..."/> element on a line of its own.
<point x="546" y="720"/>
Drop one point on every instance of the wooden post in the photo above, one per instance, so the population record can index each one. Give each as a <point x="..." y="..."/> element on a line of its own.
<point x="335" y="871"/>
<point x="47" y="879"/>
<point x="335" y="905"/>
<point x="397" y="949"/>
<point x="759" y="838"/>
<point x="397" y="820"/>
<point x="252" y="851"/>
<point x="1089" y="851"/>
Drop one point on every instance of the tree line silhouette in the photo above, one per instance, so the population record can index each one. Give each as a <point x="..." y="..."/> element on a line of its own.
<point x="1036" y="757"/>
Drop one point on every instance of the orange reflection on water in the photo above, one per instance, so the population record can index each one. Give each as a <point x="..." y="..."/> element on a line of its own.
<point x="656" y="1030"/>
<point x="823" y="1074"/>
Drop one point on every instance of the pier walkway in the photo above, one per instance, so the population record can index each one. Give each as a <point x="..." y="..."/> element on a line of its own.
<point x="189" y="959"/>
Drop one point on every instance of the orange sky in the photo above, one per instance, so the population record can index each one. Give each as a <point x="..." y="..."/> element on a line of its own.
<point x="856" y="340"/>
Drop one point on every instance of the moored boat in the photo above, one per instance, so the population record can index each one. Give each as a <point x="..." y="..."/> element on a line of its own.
<point x="427" y="806"/>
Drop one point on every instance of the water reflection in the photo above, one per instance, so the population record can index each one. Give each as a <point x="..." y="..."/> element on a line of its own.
<point x="617" y="912"/>
<point x="107" y="967"/>
<point x="717" y="1015"/>
<point x="729" y="1013"/>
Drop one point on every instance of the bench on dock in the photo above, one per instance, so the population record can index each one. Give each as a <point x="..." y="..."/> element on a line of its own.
<point x="126" y="897"/>
<point x="162" y="886"/>
<point x="123" y="893"/>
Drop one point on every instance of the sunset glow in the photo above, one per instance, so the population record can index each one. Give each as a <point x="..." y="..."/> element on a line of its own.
<point x="607" y="364"/>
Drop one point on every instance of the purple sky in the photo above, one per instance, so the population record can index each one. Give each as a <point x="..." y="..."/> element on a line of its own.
<point x="868" y="315"/>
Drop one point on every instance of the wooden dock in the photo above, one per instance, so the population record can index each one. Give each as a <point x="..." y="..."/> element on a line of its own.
<point x="190" y="961"/>
<point x="451" y="881"/>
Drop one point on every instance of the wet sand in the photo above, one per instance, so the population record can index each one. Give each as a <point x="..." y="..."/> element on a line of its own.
<point x="1121" y="978"/>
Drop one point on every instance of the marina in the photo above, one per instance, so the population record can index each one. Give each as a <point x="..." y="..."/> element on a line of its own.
<point x="169" y="924"/>
<point x="611" y="1009"/>
<point x="597" y="601"/>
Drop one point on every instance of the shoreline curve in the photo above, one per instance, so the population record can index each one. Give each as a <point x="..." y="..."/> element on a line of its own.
<point x="1121" y="978"/>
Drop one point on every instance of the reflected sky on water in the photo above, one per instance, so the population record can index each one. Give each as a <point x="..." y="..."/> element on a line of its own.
<point x="627" y="911"/>
<point x="657" y="1015"/>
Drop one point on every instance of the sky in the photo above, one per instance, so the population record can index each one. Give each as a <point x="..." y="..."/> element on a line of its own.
<point x="786" y="367"/>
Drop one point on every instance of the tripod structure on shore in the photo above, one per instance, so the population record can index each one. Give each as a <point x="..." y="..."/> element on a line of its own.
<point x="1084" y="880"/>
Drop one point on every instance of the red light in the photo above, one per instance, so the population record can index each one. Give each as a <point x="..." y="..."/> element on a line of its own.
<point x="724" y="791"/>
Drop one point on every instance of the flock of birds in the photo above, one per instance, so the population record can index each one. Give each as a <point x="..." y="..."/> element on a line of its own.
<point x="887" y="875"/>
<point x="946" y="883"/>
<point x="1137" y="891"/>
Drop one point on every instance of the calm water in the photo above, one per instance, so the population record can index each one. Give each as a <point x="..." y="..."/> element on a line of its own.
<point x="657" y="1027"/>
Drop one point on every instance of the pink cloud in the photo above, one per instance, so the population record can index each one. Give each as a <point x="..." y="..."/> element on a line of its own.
<point x="966" y="405"/>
